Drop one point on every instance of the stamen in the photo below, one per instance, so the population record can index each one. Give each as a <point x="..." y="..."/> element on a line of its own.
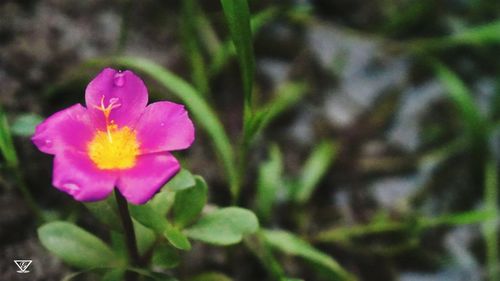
<point x="113" y="148"/>
<point x="106" y="110"/>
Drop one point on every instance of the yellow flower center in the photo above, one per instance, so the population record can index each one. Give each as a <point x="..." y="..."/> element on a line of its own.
<point x="115" y="148"/>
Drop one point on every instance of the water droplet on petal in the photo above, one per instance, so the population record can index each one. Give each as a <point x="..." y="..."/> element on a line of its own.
<point x="71" y="188"/>
<point x="119" y="79"/>
<point x="48" y="142"/>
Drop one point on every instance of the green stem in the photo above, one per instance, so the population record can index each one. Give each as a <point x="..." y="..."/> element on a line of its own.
<point x="128" y="229"/>
<point x="241" y="171"/>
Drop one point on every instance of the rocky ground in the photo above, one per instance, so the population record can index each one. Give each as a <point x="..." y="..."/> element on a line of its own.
<point x="378" y="99"/>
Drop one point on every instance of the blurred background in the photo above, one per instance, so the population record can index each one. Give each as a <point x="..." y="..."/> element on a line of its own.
<point x="388" y="118"/>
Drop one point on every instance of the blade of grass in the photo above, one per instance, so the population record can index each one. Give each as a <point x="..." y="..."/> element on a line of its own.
<point x="204" y="115"/>
<point x="314" y="169"/>
<point x="262" y="251"/>
<point x="464" y="218"/>
<point x="339" y="234"/>
<point x="475" y="123"/>
<point x="6" y="143"/>
<point x="444" y="152"/>
<point x="188" y="23"/>
<point x="477" y="128"/>
<point x="126" y="10"/>
<point x="9" y="153"/>
<point x="490" y="226"/>
<point x="208" y="36"/>
<point x="268" y="182"/>
<point x="237" y="14"/>
<point x="226" y="50"/>
<point x="291" y="244"/>
<point x="287" y="95"/>
<point x="477" y="35"/>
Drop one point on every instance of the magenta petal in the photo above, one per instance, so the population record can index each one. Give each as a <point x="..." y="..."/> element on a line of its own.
<point x="75" y="174"/>
<point x="151" y="172"/>
<point x="124" y="89"/>
<point x="164" y="126"/>
<point x="67" y="129"/>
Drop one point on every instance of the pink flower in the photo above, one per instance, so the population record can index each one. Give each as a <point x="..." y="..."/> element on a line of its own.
<point x="115" y="141"/>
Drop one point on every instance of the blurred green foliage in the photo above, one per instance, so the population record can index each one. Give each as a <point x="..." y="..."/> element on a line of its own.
<point x="179" y="212"/>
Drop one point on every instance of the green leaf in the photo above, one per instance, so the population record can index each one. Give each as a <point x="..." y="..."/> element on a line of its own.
<point x="237" y="15"/>
<point x="6" y="144"/>
<point x="189" y="203"/>
<point x="116" y="274"/>
<point x="25" y="124"/>
<point x="156" y="276"/>
<point x="118" y="244"/>
<point x="76" y="246"/>
<point x="162" y="202"/>
<point x="210" y="276"/>
<point x="225" y="226"/>
<point x="106" y="212"/>
<point x="314" y="169"/>
<point x="475" y="124"/>
<point x="74" y="275"/>
<point x="145" y="237"/>
<point x="293" y="245"/>
<point x="182" y="180"/>
<point x="149" y="217"/>
<point x="204" y="115"/>
<point x="268" y="182"/>
<point x="177" y="238"/>
<point x="165" y="256"/>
